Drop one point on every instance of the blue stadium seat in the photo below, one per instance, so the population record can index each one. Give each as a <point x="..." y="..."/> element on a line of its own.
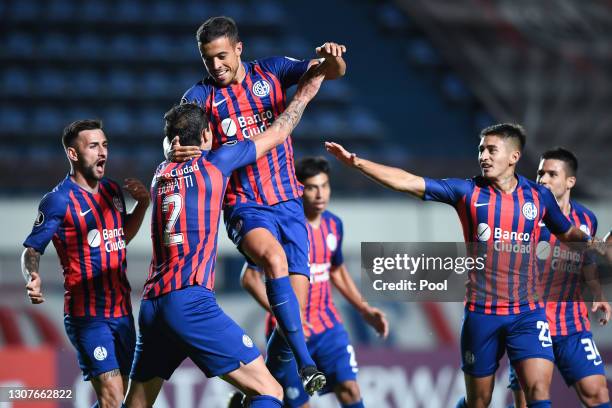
<point x="19" y="44"/>
<point x="12" y="119"/>
<point x="364" y="124"/>
<point x="455" y="89"/>
<point x="94" y="10"/>
<point x="420" y="52"/>
<point x="163" y="11"/>
<point x="155" y="83"/>
<point x="15" y="81"/>
<point x="50" y="83"/>
<point x="151" y="124"/>
<point x="90" y="46"/>
<point x="267" y="12"/>
<point x="87" y="82"/>
<point x="199" y="10"/>
<point x="59" y="10"/>
<point x="55" y="45"/>
<point x="160" y="46"/>
<point x="80" y="113"/>
<point x="124" y="46"/>
<point x="298" y="48"/>
<point x="25" y="10"/>
<point x="391" y="18"/>
<point x="129" y="11"/>
<point x="121" y="83"/>
<point x="119" y="121"/>
<point x="48" y="120"/>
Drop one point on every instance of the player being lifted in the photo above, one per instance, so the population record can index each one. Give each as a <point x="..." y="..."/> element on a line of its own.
<point x="502" y="309"/>
<point x="179" y="316"/>
<point x="262" y="211"/>
<point x="85" y="217"/>
<point x="576" y="355"/>
<point x="328" y="341"/>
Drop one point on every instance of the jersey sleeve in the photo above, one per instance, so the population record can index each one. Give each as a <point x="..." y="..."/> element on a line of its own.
<point x="196" y="94"/>
<point x="51" y="212"/>
<point x="230" y="157"/>
<point x="554" y="219"/>
<point x="337" y="257"/>
<point x="287" y="70"/>
<point x="447" y="191"/>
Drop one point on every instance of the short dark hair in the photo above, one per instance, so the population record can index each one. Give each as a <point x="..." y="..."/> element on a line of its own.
<point x="564" y="155"/>
<point x="186" y="120"/>
<point x="72" y="130"/>
<point x="216" y="27"/>
<point x="507" y="131"/>
<point x="310" y="167"/>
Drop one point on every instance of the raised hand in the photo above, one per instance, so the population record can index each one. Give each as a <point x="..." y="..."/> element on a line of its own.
<point x="136" y="189"/>
<point x="177" y="153"/>
<point x="605" y="308"/>
<point x="336" y="149"/>
<point x="330" y="49"/>
<point x="33" y="289"/>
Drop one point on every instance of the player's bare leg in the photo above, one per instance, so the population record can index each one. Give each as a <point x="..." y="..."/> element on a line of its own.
<point x="535" y="376"/>
<point x="592" y="390"/>
<point x="263" y="248"/>
<point x="479" y="391"/>
<point x="109" y="389"/>
<point x="519" y="399"/>
<point x="256" y="382"/>
<point x="348" y="394"/>
<point x="143" y="394"/>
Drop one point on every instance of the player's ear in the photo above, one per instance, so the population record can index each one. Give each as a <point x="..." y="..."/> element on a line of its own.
<point x="238" y="48"/>
<point x="515" y="156"/>
<point x="72" y="154"/>
<point x="570" y="182"/>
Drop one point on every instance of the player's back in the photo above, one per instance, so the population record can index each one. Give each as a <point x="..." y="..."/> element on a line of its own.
<point x="561" y="275"/>
<point x="238" y="112"/>
<point x="87" y="232"/>
<point x="187" y="200"/>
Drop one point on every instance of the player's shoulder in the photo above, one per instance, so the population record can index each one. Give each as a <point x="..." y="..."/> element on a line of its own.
<point x="330" y="216"/>
<point x="111" y="184"/>
<point x="526" y="183"/>
<point x="58" y="197"/>
<point x="274" y="63"/>
<point x="583" y="209"/>
<point x="198" y="92"/>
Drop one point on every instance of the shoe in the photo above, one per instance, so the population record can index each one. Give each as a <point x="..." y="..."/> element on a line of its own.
<point x="235" y="400"/>
<point x="312" y="379"/>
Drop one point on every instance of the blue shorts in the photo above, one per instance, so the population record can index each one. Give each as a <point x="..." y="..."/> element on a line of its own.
<point x="285" y="220"/>
<point x="102" y="345"/>
<point x="484" y="338"/>
<point x="334" y="356"/>
<point x="576" y="357"/>
<point x="188" y="323"/>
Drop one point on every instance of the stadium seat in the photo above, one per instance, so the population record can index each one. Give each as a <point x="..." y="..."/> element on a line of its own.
<point x="88" y="82"/>
<point x="15" y="82"/>
<point x="47" y="120"/>
<point x="90" y="46"/>
<point x="60" y="10"/>
<point x="26" y="10"/>
<point x="13" y="120"/>
<point x="19" y="43"/>
<point x="50" y="83"/>
<point x="94" y="10"/>
<point x="120" y="83"/>
<point x="55" y="45"/>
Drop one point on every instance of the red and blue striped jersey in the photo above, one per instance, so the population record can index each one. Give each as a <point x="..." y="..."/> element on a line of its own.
<point x="506" y="225"/>
<point x="566" y="311"/>
<point x="187" y="201"/>
<point x="325" y="243"/>
<point x="240" y="111"/>
<point x="87" y="232"/>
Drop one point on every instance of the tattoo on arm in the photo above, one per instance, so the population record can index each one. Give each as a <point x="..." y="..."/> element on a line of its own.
<point x="108" y="374"/>
<point x="30" y="262"/>
<point x="289" y="119"/>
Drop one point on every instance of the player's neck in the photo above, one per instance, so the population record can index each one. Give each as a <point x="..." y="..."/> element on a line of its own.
<point x="85" y="183"/>
<point x="313" y="218"/>
<point x="505" y="183"/>
<point x="240" y="75"/>
<point x="564" y="203"/>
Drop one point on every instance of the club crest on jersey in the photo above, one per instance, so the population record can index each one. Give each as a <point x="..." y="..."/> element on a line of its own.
<point x="100" y="353"/>
<point x="261" y="88"/>
<point x="332" y="242"/>
<point x="585" y="229"/>
<point x="246" y="340"/>
<point x="530" y="211"/>
<point x="292" y="392"/>
<point x="40" y="219"/>
<point x="118" y="204"/>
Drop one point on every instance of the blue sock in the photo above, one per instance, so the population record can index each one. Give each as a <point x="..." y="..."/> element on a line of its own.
<point x="265" y="401"/>
<point x="604" y="405"/>
<point x="539" y="404"/>
<point x="461" y="403"/>
<point x="286" y="309"/>
<point x="358" y="404"/>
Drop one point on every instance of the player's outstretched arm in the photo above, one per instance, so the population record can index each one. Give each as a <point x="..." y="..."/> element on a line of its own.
<point x="333" y="64"/>
<point x="252" y="282"/>
<point x="30" y="261"/>
<point x="281" y="128"/>
<point x="591" y="278"/>
<point x="133" y="220"/>
<point x="391" y="177"/>
<point x="342" y="280"/>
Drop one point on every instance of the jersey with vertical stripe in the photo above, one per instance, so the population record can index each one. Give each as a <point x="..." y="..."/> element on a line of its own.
<point x="506" y="226"/>
<point x="240" y="111"/>
<point x="561" y="277"/>
<point x="325" y="243"/>
<point x="187" y="200"/>
<point x="87" y="232"/>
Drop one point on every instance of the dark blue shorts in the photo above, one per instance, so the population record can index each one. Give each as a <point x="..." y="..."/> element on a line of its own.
<point x="484" y="338"/>
<point x="576" y="357"/>
<point x="102" y="345"/>
<point x="334" y="356"/>
<point x="284" y="220"/>
<point x="188" y="323"/>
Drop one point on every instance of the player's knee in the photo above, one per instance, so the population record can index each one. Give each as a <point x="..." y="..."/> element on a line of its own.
<point x="111" y="396"/>
<point x="348" y="392"/>
<point x="274" y="263"/>
<point x="272" y="388"/>
<point x="538" y="390"/>
<point x="594" y="395"/>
